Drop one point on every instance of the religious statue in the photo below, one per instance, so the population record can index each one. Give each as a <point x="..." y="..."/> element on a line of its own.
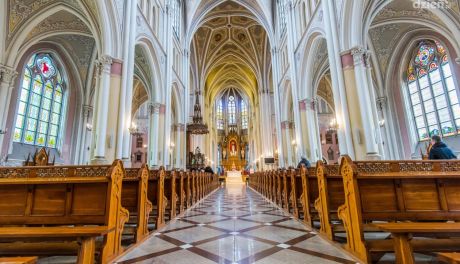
<point x="243" y="153"/>
<point x="197" y="150"/>
<point x="224" y="153"/>
<point x="233" y="148"/>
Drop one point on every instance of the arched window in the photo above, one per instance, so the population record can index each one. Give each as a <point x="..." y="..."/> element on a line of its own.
<point x="432" y="92"/>
<point x="38" y="117"/>
<point x="231" y="110"/>
<point x="220" y="115"/>
<point x="244" y="115"/>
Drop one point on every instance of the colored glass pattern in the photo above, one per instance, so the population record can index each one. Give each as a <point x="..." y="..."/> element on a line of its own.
<point x="40" y="103"/>
<point x="432" y="92"/>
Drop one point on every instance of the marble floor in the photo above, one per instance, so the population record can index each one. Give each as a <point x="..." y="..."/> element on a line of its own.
<point x="235" y="225"/>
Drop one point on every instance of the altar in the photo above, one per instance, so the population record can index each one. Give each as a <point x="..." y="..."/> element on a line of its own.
<point x="234" y="177"/>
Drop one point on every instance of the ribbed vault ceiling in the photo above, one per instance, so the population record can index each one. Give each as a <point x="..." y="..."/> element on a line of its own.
<point x="230" y="49"/>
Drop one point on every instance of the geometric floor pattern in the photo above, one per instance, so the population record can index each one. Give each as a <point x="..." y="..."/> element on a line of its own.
<point x="235" y="225"/>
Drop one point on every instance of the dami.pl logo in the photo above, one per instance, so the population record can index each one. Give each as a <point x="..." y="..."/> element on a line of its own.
<point x="431" y="4"/>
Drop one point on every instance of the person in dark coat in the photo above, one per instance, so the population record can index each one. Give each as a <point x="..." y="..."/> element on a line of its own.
<point x="439" y="150"/>
<point x="304" y="162"/>
<point x="208" y="170"/>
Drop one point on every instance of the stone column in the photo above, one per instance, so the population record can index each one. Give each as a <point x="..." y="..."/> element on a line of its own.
<point x="276" y="103"/>
<point x="337" y="77"/>
<point x="291" y="43"/>
<point x="286" y="127"/>
<point x="86" y="133"/>
<point x="102" y="107"/>
<point x="305" y="147"/>
<point x="360" y="104"/>
<point x="154" y="111"/>
<point x="7" y="79"/>
<point x="163" y="146"/>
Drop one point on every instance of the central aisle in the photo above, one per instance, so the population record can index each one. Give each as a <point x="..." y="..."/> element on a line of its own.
<point x="235" y="225"/>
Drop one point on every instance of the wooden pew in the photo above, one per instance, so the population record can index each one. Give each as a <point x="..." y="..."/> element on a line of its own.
<point x="19" y="260"/>
<point x="402" y="233"/>
<point x="170" y="194"/>
<point x="188" y="188"/>
<point x="181" y="190"/>
<point x="157" y="197"/>
<point x="399" y="191"/>
<point x="329" y="198"/>
<point x="69" y="203"/>
<point x="134" y="197"/>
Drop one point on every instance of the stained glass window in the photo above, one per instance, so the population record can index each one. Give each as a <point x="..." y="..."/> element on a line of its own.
<point x="220" y="115"/>
<point x="244" y="115"/>
<point x="231" y="110"/>
<point x="40" y="103"/>
<point x="432" y="92"/>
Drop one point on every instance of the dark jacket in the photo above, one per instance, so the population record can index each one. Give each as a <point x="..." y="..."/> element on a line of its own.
<point x="304" y="162"/>
<point x="441" y="151"/>
<point x="208" y="170"/>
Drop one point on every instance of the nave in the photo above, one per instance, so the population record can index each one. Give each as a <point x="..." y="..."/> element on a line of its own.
<point x="235" y="224"/>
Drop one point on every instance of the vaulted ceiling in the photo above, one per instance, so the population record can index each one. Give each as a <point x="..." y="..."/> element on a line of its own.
<point x="230" y="49"/>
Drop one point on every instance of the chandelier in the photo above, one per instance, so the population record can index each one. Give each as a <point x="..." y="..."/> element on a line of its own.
<point x="197" y="127"/>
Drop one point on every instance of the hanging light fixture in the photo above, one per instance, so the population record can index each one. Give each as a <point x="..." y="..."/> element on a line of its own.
<point x="197" y="127"/>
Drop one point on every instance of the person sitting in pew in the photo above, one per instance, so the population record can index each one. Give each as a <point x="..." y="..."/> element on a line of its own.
<point x="439" y="150"/>
<point x="305" y="162"/>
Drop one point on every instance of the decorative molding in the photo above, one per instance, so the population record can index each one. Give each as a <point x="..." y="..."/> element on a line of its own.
<point x="7" y="74"/>
<point x="358" y="55"/>
<point x="381" y="102"/>
<point x="104" y="64"/>
<point x="87" y="110"/>
<point x="154" y="108"/>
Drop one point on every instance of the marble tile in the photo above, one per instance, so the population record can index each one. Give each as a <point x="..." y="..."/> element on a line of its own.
<point x="235" y="225"/>
<point x="318" y="244"/>
<point x="181" y="257"/>
<point x="246" y="247"/>
<point x="223" y="247"/>
<point x="194" y="234"/>
<point x="292" y="257"/>
<point x="151" y="245"/>
<point x="275" y="234"/>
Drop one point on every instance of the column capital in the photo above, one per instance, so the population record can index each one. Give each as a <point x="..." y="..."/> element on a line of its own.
<point x="358" y="54"/>
<point x="87" y="110"/>
<point x="7" y="74"/>
<point x="104" y="64"/>
<point x="154" y="108"/>
<point x="381" y="102"/>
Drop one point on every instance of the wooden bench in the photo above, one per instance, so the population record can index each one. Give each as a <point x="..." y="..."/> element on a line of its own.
<point x="156" y="196"/>
<point x="450" y="258"/>
<point x="69" y="204"/>
<point x="134" y="197"/>
<point x="19" y="260"/>
<point x="329" y="198"/>
<point x="402" y="235"/>
<point x="398" y="191"/>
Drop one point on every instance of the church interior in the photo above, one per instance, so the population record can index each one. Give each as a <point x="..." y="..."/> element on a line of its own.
<point x="229" y="131"/>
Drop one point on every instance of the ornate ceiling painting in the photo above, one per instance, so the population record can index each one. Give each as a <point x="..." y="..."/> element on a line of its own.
<point x="80" y="48"/>
<point x="21" y="12"/>
<point x="230" y="49"/>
